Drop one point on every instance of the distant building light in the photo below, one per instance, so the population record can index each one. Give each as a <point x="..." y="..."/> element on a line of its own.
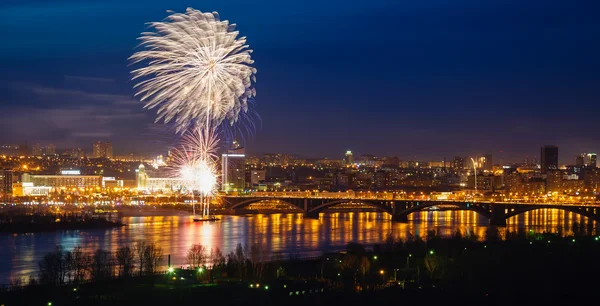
<point x="70" y="172"/>
<point x="234" y="155"/>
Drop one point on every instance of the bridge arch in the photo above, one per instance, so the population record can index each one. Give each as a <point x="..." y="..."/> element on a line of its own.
<point x="247" y="202"/>
<point x="478" y="208"/>
<point x="583" y="211"/>
<point x="377" y="205"/>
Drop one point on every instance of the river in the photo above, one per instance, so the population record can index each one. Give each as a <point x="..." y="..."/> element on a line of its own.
<point x="285" y="234"/>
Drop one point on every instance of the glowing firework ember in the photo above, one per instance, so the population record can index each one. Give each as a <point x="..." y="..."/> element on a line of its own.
<point x="195" y="162"/>
<point x="201" y="175"/>
<point x="198" y="70"/>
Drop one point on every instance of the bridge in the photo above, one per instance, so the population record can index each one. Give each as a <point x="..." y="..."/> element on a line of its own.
<point x="496" y="212"/>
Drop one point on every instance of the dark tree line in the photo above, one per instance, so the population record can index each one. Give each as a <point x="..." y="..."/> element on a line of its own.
<point x="245" y="262"/>
<point x="76" y="266"/>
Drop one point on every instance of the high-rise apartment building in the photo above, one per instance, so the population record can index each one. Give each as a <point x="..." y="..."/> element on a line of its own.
<point x="50" y="149"/>
<point x="37" y="150"/>
<point x="485" y="162"/>
<point x="233" y="165"/>
<point x="458" y="163"/>
<point x="383" y="179"/>
<point x="579" y="160"/>
<point x="349" y="158"/>
<point x="549" y="158"/>
<point x="590" y="160"/>
<point x="102" y="150"/>
<point x="6" y="181"/>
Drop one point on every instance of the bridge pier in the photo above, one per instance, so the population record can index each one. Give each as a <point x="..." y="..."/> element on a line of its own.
<point x="400" y="218"/>
<point x="238" y="211"/>
<point x="498" y="215"/>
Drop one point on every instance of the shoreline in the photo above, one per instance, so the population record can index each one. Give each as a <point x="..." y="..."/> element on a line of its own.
<point x="25" y="228"/>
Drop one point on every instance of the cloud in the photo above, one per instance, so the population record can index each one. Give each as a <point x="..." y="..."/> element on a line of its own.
<point x="88" y="79"/>
<point x="70" y="117"/>
<point x="49" y="94"/>
<point x="93" y="134"/>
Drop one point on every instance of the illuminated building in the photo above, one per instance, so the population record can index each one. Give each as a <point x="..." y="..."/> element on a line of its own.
<point x="165" y="184"/>
<point x="233" y="167"/>
<point x="36" y="150"/>
<point x="102" y="150"/>
<point x="65" y="181"/>
<point x="485" y="162"/>
<point x="549" y="156"/>
<point x="10" y="150"/>
<point x="485" y="182"/>
<point x="383" y="179"/>
<point x="367" y="160"/>
<point x="131" y="158"/>
<point x="257" y="177"/>
<point x="458" y="163"/>
<point x="74" y="153"/>
<point x="349" y="158"/>
<point x="579" y="160"/>
<point x="6" y="179"/>
<point x="50" y="149"/>
<point x="142" y="177"/>
<point x="28" y="189"/>
<point x="590" y="160"/>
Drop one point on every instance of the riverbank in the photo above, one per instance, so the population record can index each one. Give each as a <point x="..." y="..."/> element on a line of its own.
<point x="530" y="269"/>
<point x="36" y="227"/>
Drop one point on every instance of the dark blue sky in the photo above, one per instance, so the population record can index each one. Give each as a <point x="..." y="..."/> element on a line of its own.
<point x="413" y="78"/>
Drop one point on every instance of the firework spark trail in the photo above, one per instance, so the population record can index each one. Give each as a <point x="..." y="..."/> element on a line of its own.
<point x="198" y="70"/>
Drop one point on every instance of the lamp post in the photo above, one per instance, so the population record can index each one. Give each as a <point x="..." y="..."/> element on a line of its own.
<point x="475" y="171"/>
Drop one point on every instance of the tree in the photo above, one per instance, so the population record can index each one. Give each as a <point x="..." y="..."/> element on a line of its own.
<point x="217" y="258"/>
<point x="355" y="260"/>
<point x="80" y="262"/>
<point x="257" y="256"/>
<point x="101" y="268"/>
<point x="53" y="267"/>
<point x="196" y="256"/>
<point x="240" y="259"/>
<point x="125" y="258"/>
<point x="140" y="253"/>
<point x="153" y="257"/>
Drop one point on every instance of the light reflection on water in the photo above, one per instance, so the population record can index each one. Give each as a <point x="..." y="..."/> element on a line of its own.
<point x="285" y="234"/>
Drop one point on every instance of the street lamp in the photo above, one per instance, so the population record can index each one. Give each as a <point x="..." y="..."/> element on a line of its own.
<point x="382" y="277"/>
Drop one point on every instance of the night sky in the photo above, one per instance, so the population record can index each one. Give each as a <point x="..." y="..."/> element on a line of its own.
<point x="419" y="79"/>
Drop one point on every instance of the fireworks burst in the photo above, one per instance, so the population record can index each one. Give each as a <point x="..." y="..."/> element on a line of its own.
<point x="195" y="161"/>
<point x="198" y="75"/>
<point x="198" y="70"/>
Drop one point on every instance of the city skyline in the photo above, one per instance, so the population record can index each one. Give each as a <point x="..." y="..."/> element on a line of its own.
<point x="585" y="158"/>
<point x="456" y="77"/>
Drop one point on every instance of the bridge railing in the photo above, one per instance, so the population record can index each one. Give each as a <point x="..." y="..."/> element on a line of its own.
<point x="341" y="196"/>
